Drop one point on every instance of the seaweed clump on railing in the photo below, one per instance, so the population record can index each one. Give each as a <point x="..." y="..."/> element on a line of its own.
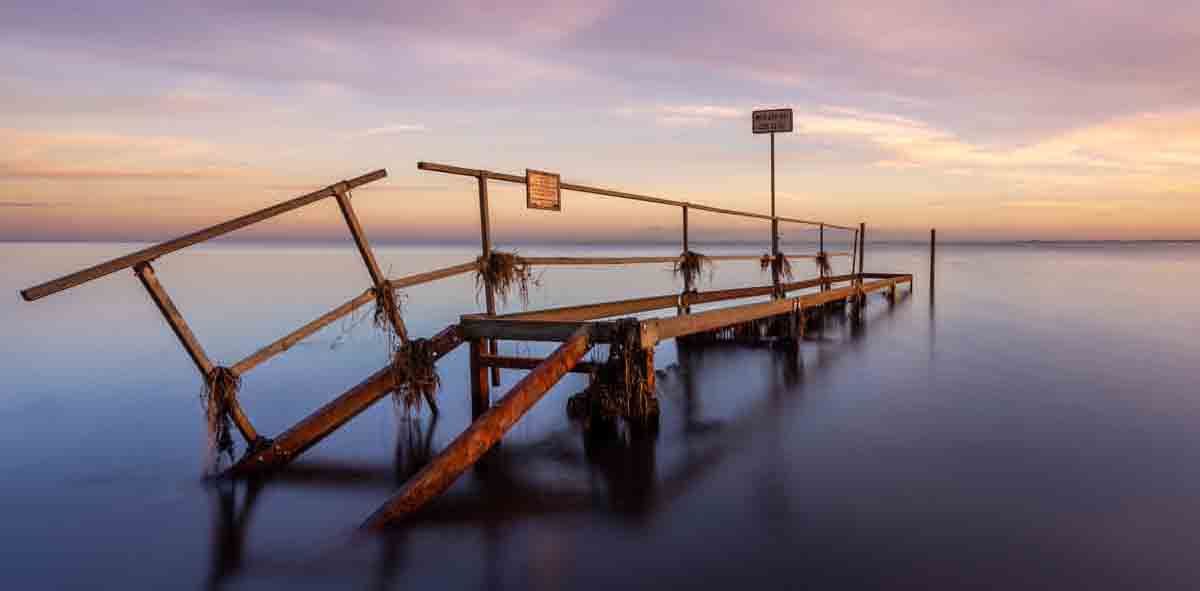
<point x="779" y="263"/>
<point x="414" y="368"/>
<point x="386" y="300"/>
<point x="505" y="272"/>
<point x="823" y="266"/>
<point x="220" y="386"/>
<point x="691" y="266"/>
<point x="413" y="363"/>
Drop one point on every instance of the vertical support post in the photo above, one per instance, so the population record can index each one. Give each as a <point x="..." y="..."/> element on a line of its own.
<point x="684" y="308"/>
<point x="187" y="338"/>
<point x="485" y="240"/>
<point x="854" y="254"/>
<point x="368" y="256"/>
<point x="932" y="259"/>
<point x="821" y="249"/>
<point x="480" y="389"/>
<point x="862" y="247"/>
<point x="774" y="227"/>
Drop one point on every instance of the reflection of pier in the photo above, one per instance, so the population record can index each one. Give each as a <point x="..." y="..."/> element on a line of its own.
<point x="622" y="388"/>
<point x="631" y="474"/>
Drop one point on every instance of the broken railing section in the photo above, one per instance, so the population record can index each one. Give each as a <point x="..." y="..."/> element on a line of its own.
<point x="221" y="383"/>
<point x="327" y="419"/>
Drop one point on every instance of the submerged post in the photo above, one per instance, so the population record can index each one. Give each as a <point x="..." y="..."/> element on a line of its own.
<point x="775" y="263"/>
<point x="862" y="247"/>
<point x="485" y="238"/>
<point x="932" y="258"/>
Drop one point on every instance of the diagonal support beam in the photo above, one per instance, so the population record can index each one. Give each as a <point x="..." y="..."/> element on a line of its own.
<point x="470" y="445"/>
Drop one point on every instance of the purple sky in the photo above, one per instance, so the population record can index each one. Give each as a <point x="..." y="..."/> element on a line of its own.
<point x="988" y="120"/>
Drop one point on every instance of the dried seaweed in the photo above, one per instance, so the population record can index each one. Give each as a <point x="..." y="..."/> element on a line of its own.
<point x="505" y="272"/>
<point x="415" y="370"/>
<point x="691" y="266"/>
<point x="780" y="264"/>
<point x="220" y="386"/>
<point x="823" y="266"/>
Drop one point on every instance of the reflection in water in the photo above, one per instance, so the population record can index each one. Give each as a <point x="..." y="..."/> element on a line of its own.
<point x="618" y="461"/>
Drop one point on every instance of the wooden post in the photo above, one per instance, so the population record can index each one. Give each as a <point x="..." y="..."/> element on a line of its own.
<point x="862" y="247"/>
<point x="687" y="279"/>
<point x="932" y="258"/>
<point x="481" y="398"/>
<point x="484" y="432"/>
<point x="368" y="256"/>
<point x="485" y="239"/>
<point x="821" y="249"/>
<point x="188" y="339"/>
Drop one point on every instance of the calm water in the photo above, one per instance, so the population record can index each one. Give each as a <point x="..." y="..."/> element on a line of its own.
<point x="1037" y="428"/>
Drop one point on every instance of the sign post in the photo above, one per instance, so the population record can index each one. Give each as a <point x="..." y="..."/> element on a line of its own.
<point x="773" y="121"/>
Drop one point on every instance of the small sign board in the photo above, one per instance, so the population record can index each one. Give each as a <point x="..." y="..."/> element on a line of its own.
<point x="542" y="190"/>
<point x="772" y="121"/>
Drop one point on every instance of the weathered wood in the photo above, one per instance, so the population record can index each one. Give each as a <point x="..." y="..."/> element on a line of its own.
<point x="368" y="257"/>
<point x="527" y="363"/>
<point x="512" y="178"/>
<point x="325" y="420"/>
<point x="481" y="397"/>
<point x="646" y="304"/>
<point x="659" y="329"/>
<point x="183" y="332"/>
<point x="289" y="340"/>
<point x="174" y="319"/>
<point x="427" y="276"/>
<point x="484" y="432"/>
<point x="485" y="238"/>
<point x="476" y="327"/>
<point x="148" y="254"/>
<point x="862" y="247"/>
<point x="932" y="259"/>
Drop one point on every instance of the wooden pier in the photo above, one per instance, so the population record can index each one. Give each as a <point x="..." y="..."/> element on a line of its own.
<point x="622" y="387"/>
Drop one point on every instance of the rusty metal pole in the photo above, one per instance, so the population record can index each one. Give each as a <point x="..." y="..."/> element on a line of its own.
<point x="484" y="432"/>
<point x="485" y="239"/>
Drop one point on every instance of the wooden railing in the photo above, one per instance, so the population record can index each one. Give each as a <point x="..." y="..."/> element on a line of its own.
<point x="141" y="262"/>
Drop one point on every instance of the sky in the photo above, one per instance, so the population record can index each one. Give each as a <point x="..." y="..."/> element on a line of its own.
<point x="1023" y="119"/>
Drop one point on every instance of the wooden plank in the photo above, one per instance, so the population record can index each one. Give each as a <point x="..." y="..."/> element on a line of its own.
<point x="481" y="397"/>
<point x="482" y="435"/>
<point x="174" y="319"/>
<point x="527" y="363"/>
<point x="148" y="254"/>
<point x="485" y="238"/>
<point x="512" y="178"/>
<point x="434" y="275"/>
<point x="646" y="304"/>
<point x="476" y="327"/>
<point x="327" y="419"/>
<point x="289" y="340"/>
<point x="660" y="329"/>
<point x="368" y="257"/>
<point x="183" y="332"/>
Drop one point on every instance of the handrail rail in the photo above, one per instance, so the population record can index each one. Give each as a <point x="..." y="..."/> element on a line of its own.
<point x="77" y="278"/>
<point x="512" y="178"/>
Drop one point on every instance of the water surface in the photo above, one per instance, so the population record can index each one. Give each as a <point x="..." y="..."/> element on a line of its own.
<point x="1036" y="427"/>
